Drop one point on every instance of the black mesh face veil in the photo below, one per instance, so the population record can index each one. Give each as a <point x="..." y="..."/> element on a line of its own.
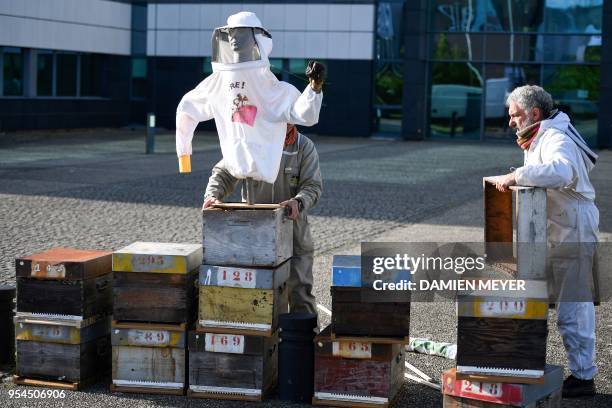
<point x="231" y="45"/>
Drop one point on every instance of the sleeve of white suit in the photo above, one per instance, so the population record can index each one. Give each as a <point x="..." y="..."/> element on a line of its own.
<point x="557" y="168"/>
<point x="193" y="108"/>
<point x="305" y="110"/>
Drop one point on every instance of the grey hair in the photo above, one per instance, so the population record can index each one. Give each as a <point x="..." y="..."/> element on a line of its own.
<point x="532" y="96"/>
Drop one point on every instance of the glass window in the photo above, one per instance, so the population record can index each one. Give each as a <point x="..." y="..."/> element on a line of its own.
<point x="574" y="16"/>
<point x="44" y="73"/>
<point x="13" y="72"/>
<point x="139" y="77"/>
<point x="388" y="120"/>
<point x="457" y="15"/>
<point x="207" y="66"/>
<point x="456" y="95"/>
<point x="513" y="47"/>
<point x="91" y="74"/>
<point x="276" y="66"/>
<point x="500" y="81"/>
<point x="458" y="47"/>
<point x="389" y="84"/>
<point x="66" y="74"/>
<point x="571" y="48"/>
<point x="575" y="89"/>
<point x="389" y="30"/>
<point x="515" y="16"/>
<point x="297" y="73"/>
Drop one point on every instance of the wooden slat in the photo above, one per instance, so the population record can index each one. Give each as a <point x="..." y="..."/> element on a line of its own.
<point x="77" y="264"/>
<point x="155" y="297"/>
<point x="351" y="404"/>
<point x="33" y="382"/>
<point x="551" y="401"/>
<point x="50" y="331"/>
<point x="498" y="222"/>
<point x="245" y="277"/>
<point x="236" y="304"/>
<point x="488" y="388"/>
<point x="501" y="343"/>
<point x="246" y="332"/>
<point x="352" y="317"/>
<point x="253" y="345"/>
<point x="86" y="298"/>
<point x="247" y="237"/>
<point x="158" y="257"/>
<point x="476" y="306"/>
<point x="499" y="379"/>
<point x="149" y="364"/>
<point x="226" y="370"/>
<point x="74" y="362"/>
<point x="245" y="206"/>
<point x="351" y="376"/>
<point x="222" y="396"/>
<point x="146" y="390"/>
<point x="153" y="326"/>
<point x="256" y="370"/>
<point x="531" y="234"/>
<point x="149" y="337"/>
<point x="372" y="339"/>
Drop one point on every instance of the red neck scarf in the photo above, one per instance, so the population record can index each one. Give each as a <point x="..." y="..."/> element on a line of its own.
<point x="526" y="136"/>
<point x="291" y="136"/>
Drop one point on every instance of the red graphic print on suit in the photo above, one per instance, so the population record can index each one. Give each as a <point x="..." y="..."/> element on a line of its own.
<point x="243" y="113"/>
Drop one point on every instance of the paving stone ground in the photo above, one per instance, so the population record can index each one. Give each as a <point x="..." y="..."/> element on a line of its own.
<point x="97" y="189"/>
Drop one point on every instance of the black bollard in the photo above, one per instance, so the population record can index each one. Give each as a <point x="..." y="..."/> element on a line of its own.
<point x="296" y="356"/>
<point x="7" y="328"/>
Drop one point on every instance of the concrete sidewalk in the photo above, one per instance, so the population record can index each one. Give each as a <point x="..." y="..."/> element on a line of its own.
<point x="97" y="189"/>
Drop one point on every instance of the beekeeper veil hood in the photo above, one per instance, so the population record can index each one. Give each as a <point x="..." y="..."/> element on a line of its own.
<point x="242" y="40"/>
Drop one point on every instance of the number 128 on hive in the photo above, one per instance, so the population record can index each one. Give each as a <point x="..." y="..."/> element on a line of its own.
<point x="236" y="277"/>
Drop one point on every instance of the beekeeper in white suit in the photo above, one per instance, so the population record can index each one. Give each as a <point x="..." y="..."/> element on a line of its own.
<point x="557" y="158"/>
<point x="251" y="107"/>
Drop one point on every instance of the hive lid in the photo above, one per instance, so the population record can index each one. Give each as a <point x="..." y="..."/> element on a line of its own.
<point x="298" y="321"/>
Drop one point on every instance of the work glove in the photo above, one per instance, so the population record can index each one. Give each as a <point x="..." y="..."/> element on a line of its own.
<point x="316" y="73"/>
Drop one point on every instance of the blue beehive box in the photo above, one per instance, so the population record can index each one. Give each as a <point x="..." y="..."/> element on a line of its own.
<point x="346" y="271"/>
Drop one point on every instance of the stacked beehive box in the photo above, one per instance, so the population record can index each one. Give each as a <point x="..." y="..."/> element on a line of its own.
<point x="243" y="289"/>
<point x="501" y="337"/>
<point x="155" y="301"/>
<point x="484" y="393"/>
<point x="359" y="358"/>
<point x="62" y="324"/>
<point x="504" y="334"/>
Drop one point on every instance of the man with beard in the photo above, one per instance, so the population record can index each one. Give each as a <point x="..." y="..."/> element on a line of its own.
<point x="558" y="159"/>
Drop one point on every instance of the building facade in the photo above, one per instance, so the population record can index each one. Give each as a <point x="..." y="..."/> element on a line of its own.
<point x="412" y="69"/>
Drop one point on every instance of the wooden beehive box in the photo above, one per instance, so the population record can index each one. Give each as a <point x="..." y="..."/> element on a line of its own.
<point x="64" y="352"/>
<point x="243" y="298"/>
<point x="243" y="235"/>
<point x="355" y="306"/>
<point x="485" y="392"/>
<point x="360" y="373"/>
<point x="523" y="256"/>
<point x="155" y="282"/>
<point x="149" y="358"/>
<point x="353" y="317"/>
<point x="65" y="281"/>
<point x="503" y="336"/>
<point x="232" y="366"/>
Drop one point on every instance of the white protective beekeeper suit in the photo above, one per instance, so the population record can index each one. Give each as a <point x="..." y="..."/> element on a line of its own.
<point x="559" y="160"/>
<point x="251" y="107"/>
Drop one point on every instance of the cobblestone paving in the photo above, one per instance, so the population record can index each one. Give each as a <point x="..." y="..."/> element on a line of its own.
<point x="98" y="190"/>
